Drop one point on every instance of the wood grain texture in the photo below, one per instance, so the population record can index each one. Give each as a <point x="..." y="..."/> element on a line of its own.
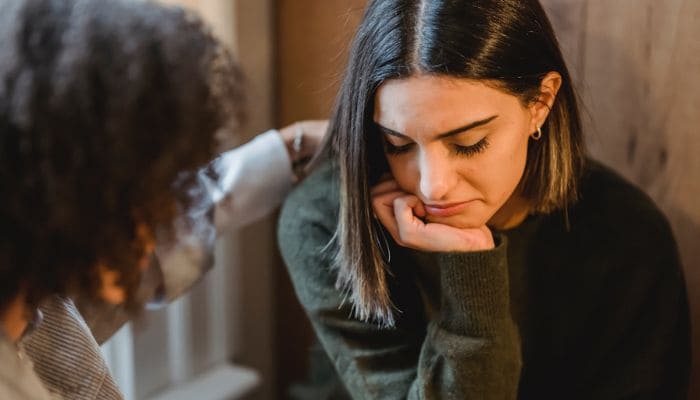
<point x="312" y="45"/>
<point x="312" y="42"/>
<point x="637" y="65"/>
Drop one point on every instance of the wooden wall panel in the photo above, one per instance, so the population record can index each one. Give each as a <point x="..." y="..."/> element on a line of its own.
<point x="637" y="63"/>
<point x="312" y="40"/>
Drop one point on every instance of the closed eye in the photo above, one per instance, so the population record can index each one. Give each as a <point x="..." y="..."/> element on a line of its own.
<point x="472" y="150"/>
<point x="467" y="151"/>
<point x="392" y="149"/>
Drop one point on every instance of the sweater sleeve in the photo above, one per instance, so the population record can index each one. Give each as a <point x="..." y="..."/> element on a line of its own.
<point x="470" y="350"/>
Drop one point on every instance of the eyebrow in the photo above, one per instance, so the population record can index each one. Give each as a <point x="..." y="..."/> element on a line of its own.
<point x="444" y="135"/>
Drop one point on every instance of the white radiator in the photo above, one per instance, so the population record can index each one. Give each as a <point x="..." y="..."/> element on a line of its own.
<point x="186" y="347"/>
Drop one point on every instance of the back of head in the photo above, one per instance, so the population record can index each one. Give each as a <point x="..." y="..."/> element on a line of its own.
<point x="506" y="44"/>
<point x="107" y="108"/>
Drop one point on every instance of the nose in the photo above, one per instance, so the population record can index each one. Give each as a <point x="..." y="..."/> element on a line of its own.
<point x="435" y="176"/>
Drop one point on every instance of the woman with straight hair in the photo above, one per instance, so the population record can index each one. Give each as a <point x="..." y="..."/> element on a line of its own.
<point x="456" y="242"/>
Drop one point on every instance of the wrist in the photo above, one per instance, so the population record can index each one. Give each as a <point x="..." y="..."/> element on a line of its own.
<point x="288" y="135"/>
<point x="475" y="291"/>
<point x="476" y="239"/>
<point x="465" y="240"/>
<point x="294" y="139"/>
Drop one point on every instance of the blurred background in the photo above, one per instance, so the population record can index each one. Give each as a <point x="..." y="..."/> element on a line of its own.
<point x="240" y="334"/>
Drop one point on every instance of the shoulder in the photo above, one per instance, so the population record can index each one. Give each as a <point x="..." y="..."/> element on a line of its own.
<point x="606" y="189"/>
<point x="314" y="199"/>
<point x="613" y="203"/>
<point x="305" y="232"/>
<point x="310" y="213"/>
<point x="65" y="354"/>
<point x="322" y="183"/>
<point x="618" y="223"/>
<point x="17" y="377"/>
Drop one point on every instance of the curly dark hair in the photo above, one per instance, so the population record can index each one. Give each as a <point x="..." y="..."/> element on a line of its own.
<point x="107" y="110"/>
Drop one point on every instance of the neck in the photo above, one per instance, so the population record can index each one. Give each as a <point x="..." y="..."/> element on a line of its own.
<point x="13" y="321"/>
<point x="512" y="214"/>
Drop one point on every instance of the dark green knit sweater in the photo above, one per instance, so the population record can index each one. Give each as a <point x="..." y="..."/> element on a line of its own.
<point x="597" y="310"/>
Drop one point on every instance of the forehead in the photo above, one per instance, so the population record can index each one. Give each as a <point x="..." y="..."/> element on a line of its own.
<point x="438" y="101"/>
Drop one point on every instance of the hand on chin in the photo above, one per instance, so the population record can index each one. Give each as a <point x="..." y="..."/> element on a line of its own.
<point x="405" y="217"/>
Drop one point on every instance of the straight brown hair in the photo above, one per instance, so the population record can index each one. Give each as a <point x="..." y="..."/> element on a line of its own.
<point x="507" y="43"/>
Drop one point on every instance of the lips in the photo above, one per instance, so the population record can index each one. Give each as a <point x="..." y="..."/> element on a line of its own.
<point x="446" y="210"/>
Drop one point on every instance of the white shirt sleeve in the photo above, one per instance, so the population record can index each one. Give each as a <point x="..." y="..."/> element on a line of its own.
<point x="253" y="180"/>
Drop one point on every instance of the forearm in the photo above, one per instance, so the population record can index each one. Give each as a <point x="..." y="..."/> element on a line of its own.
<point x="472" y="349"/>
<point x="254" y="180"/>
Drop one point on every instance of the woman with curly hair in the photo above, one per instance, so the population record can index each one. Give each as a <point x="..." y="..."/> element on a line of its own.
<point x="458" y="243"/>
<point x="109" y="110"/>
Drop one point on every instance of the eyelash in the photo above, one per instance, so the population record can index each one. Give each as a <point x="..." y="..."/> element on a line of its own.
<point x="467" y="151"/>
<point x="472" y="150"/>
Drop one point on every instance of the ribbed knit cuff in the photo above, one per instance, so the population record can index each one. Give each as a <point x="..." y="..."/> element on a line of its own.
<point x="475" y="291"/>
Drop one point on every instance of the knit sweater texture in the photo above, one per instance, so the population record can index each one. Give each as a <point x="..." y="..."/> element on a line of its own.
<point x="583" y="303"/>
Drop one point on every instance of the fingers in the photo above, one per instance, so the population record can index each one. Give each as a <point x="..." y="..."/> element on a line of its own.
<point x="303" y="138"/>
<point x="408" y="224"/>
<point x="485" y="241"/>
<point x="383" y="206"/>
<point x="314" y="129"/>
<point x="402" y="215"/>
<point x="419" y="210"/>
<point x="383" y="195"/>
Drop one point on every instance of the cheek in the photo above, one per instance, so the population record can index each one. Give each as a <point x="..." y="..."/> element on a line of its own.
<point x="499" y="172"/>
<point x="513" y="166"/>
<point x="403" y="170"/>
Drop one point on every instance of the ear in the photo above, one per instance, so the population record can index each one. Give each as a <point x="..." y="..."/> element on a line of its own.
<point x="540" y="108"/>
<point x="110" y="291"/>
